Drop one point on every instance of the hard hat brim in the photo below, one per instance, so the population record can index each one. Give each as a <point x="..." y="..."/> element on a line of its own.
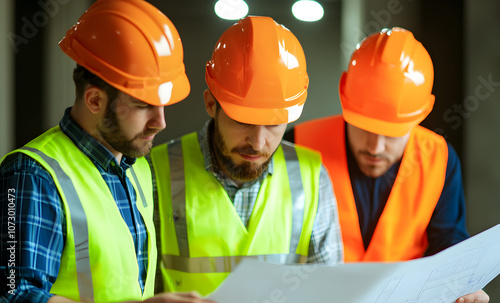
<point x="261" y="116"/>
<point x="379" y="127"/>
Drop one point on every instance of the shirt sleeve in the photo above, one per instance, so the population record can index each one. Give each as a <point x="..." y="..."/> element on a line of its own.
<point x="448" y="226"/>
<point x="326" y="243"/>
<point x="33" y="222"/>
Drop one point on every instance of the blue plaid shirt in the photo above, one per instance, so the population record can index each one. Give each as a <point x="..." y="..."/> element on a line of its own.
<point x="40" y="223"/>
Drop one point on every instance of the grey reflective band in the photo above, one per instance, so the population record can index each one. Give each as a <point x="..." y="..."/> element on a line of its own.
<point x="178" y="190"/>
<point x="298" y="196"/>
<point x="139" y="188"/>
<point x="79" y="224"/>
<point x="221" y="264"/>
<point x="185" y="263"/>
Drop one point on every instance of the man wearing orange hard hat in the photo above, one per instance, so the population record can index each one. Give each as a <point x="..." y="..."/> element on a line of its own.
<point x="235" y="190"/>
<point x="398" y="185"/>
<point x="78" y="198"/>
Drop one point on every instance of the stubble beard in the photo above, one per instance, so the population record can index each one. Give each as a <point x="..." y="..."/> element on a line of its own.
<point x="112" y="132"/>
<point x="245" y="171"/>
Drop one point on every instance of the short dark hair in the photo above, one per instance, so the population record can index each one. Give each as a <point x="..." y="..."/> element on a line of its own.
<point x="83" y="77"/>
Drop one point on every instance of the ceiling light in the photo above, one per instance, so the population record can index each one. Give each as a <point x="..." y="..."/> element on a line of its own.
<point x="307" y="10"/>
<point x="231" y="9"/>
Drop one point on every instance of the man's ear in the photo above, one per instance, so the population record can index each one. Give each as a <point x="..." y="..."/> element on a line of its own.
<point x="95" y="99"/>
<point x="209" y="102"/>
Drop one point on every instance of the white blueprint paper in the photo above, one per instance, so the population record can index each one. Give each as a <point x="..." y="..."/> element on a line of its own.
<point x="461" y="269"/>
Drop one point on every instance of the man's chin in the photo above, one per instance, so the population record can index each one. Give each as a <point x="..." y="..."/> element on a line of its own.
<point x="139" y="151"/>
<point x="250" y="172"/>
<point x="247" y="176"/>
<point x="373" y="172"/>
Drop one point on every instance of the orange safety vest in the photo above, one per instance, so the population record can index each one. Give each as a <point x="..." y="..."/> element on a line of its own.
<point x="400" y="233"/>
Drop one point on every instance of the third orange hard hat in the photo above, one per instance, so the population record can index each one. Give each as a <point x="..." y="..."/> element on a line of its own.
<point x="132" y="46"/>
<point x="258" y="73"/>
<point x="387" y="87"/>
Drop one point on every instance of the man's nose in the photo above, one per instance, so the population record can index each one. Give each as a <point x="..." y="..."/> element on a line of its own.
<point x="157" y="118"/>
<point x="375" y="144"/>
<point x="257" y="137"/>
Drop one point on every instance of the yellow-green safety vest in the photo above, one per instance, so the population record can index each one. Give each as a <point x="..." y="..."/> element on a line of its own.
<point x="202" y="236"/>
<point x="99" y="262"/>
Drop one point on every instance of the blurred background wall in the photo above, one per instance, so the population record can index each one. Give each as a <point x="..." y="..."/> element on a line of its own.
<point x="462" y="37"/>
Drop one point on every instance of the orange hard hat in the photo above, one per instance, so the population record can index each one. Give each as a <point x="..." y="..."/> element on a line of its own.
<point x="387" y="87"/>
<point x="132" y="46"/>
<point x="258" y="72"/>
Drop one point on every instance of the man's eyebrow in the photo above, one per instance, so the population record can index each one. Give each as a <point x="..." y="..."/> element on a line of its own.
<point x="137" y="101"/>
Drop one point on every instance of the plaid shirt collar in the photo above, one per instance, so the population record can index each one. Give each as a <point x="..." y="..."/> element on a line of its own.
<point x="204" y="137"/>
<point x="90" y="146"/>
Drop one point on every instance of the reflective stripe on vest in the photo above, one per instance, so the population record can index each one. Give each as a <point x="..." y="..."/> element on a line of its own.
<point x="401" y="232"/>
<point x="139" y="188"/>
<point x="80" y="228"/>
<point x="185" y="263"/>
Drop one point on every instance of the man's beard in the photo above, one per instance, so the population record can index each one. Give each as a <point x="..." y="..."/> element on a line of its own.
<point x="247" y="171"/>
<point x="113" y="134"/>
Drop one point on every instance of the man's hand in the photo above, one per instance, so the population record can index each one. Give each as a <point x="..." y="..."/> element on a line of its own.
<point x="477" y="297"/>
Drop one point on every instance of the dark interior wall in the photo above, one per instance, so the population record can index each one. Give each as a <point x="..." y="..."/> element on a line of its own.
<point x="28" y="92"/>
<point x="479" y="109"/>
<point x="442" y="26"/>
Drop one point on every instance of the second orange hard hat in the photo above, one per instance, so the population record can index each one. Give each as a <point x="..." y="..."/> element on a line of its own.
<point x="387" y="87"/>
<point x="132" y="46"/>
<point x="258" y="73"/>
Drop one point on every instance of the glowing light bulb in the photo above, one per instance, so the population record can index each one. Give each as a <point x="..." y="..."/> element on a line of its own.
<point x="307" y="10"/>
<point x="231" y="9"/>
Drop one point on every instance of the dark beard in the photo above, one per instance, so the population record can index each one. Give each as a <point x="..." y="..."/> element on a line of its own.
<point x="246" y="171"/>
<point x="112" y="133"/>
